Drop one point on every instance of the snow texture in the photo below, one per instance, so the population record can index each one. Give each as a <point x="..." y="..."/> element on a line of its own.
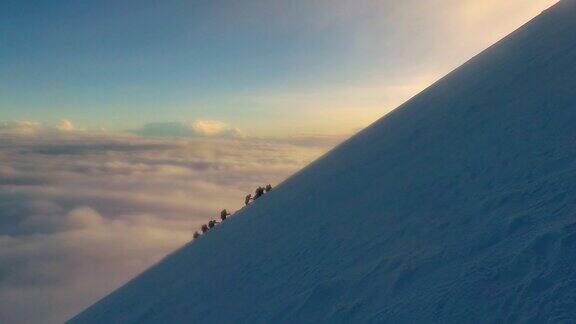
<point x="458" y="207"/>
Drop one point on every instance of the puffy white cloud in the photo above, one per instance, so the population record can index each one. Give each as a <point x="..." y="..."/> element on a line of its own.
<point x="214" y="128"/>
<point x="65" y="126"/>
<point x="82" y="217"/>
<point x="198" y="128"/>
<point x="80" y="214"/>
<point x="20" y="127"/>
<point x="32" y="128"/>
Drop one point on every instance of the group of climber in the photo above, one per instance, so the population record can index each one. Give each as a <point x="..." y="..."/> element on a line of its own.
<point x="224" y="213"/>
<point x="257" y="194"/>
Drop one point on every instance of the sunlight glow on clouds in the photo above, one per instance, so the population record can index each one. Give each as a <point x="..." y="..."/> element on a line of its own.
<point x="197" y="128"/>
<point x="30" y="128"/>
<point x="20" y="127"/>
<point x="65" y="126"/>
<point x="473" y="11"/>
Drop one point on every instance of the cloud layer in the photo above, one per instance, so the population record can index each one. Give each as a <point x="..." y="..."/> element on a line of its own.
<point x="81" y="213"/>
<point x="30" y="128"/>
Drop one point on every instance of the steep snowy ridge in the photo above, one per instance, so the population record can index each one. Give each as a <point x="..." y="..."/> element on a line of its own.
<point x="459" y="206"/>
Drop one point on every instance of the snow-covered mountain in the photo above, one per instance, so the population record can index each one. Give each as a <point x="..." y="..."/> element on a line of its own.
<point x="459" y="206"/>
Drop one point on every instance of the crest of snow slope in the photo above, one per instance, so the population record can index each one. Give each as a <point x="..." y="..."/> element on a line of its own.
<point x="460" y="206"/>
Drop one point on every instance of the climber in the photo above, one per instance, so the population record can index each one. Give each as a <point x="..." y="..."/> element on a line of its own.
<point x="248" y="198"/>
<point x="196" y="235"/>
<point x="259" y="192"/>
<point x="204" y="228"/>
<point x="211" y="224"/>
<point x="268" y="188"/>
<point x="223" y="214"/>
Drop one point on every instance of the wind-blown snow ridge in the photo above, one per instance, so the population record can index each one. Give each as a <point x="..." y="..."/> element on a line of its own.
<point x="460" y="206"/>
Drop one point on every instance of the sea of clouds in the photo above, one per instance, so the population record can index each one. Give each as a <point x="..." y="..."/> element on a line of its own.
<point x="83" y="212"/>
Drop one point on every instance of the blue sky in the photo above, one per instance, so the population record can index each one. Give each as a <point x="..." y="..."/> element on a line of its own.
<point x="270" y="67"/>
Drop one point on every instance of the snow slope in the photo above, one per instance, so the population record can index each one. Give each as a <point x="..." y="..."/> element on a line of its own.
<point x="460" y="206"/>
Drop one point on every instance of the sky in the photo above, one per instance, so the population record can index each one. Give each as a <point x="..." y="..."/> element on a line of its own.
<point x="269" y="68"/>
<point x="125" y="125"/>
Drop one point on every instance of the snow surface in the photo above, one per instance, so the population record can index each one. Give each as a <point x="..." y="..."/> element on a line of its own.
<point x="460" y="206"/>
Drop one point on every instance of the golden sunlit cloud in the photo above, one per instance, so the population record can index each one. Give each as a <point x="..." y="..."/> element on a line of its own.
<point x="65" y="126"/>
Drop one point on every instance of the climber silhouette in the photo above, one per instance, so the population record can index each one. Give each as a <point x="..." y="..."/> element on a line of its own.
<point x="259" y="192"/>
<point x="247" y="199"/>
<point x="204" y="228"/>
<point x="223" y="214"/>
<point x="196" y="235"/>
<point x="268" y="188"/>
